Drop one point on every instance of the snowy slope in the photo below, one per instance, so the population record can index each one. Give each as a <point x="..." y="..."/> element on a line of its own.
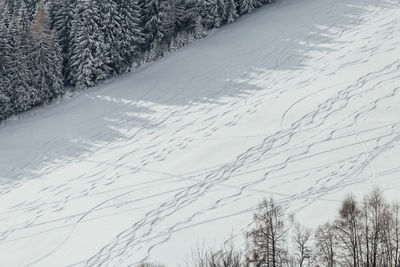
<point x="299" y="101"/>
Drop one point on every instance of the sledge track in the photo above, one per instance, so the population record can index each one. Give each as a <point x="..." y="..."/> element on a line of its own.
<point x="302" y="106"/>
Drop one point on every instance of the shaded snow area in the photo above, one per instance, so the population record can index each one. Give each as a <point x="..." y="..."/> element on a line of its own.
<point x="299" y="101"/>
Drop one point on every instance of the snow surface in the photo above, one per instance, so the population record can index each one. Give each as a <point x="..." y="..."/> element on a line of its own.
<point x="298" y="101"/>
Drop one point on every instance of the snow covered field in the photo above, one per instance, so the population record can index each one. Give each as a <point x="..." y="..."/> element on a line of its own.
<point x="299" y="101"/>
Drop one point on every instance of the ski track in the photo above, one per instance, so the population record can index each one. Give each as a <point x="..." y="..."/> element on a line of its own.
<point x="330" y="133"/>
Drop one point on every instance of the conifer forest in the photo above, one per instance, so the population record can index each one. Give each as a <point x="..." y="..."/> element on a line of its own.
<point x="49" y="45"/>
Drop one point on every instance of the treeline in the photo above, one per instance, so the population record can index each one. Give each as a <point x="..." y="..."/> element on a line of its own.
<point x="50" y="44"/>
<point x="364" y="234"/>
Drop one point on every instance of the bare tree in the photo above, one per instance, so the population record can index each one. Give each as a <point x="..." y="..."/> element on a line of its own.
<point x="198" y="257"/>
<point x="325" y="242"/>
<point x="386" y="239"/>
<point x="395" y="209"/>
<point x="348" y="230"/>
<point x="225" y="257"/>
<point x="390" y="236"/>
<point x="375" y="213"/>
<point x="302" y="238"/>
<point x="269" y="237"/>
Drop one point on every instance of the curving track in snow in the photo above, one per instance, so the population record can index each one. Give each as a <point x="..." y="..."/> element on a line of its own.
<point x="299" y="101"/>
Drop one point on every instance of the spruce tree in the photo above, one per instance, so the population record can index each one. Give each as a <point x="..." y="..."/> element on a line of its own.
<point x="62" y="15"/>
<point x="180" y="13"/>
<point x="19" y="88"/>
<point x="132" y="32"/>
<point x="31" y="6"/>
<point x="46" y="60"/>
<point x="13" y="7"/>
<point x="87" y="63"/>
<point x="168" y="20"/>
<point x="151" y="21"/>
<point x="112" y="35"/>
<point x="192" y="13"/>
<point x="247" y="6"/>
<point x="208" y="10"/>
<point x="2" y="11"/>
<point x="5" y="50"/>
<point x="159" y="22"/>
<point x="222" y="10"/>
<point x="158" y="26"/>
<point x="199" y="30"/>
<point x="231" y="11"/>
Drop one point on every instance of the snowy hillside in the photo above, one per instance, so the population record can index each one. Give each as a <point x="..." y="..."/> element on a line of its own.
<point x="298" y="101"/>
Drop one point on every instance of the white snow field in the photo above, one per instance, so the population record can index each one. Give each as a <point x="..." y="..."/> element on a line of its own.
<point x="299" y="101"/>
